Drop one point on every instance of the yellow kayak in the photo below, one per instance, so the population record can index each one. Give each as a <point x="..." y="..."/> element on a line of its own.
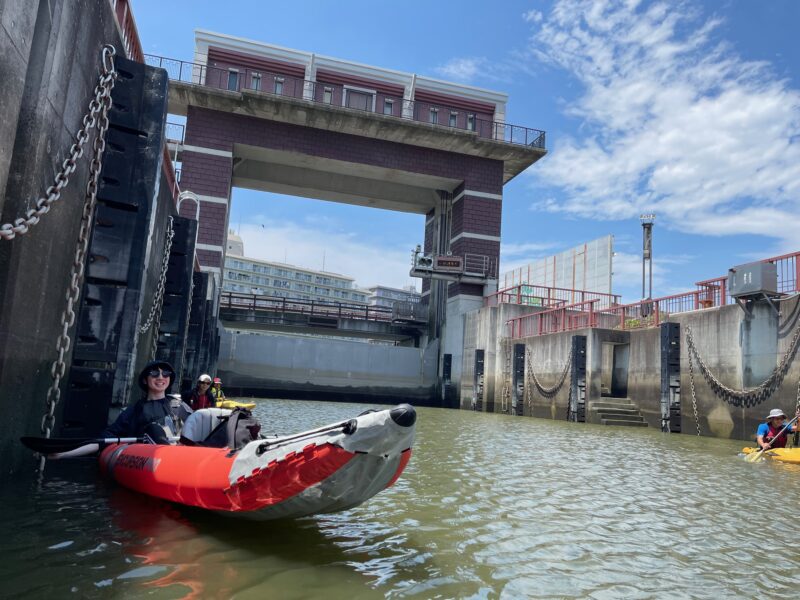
<point x="231" y="404"/>
<point x="788" y="455"/>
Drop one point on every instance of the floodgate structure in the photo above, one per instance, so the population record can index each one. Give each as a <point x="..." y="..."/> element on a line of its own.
<point x="113" y="252"/>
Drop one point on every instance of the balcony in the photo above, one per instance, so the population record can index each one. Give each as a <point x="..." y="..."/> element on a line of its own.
<point x="277" y="84"/>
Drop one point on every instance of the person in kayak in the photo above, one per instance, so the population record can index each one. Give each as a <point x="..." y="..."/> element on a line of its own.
<point x="151" y="415"/>
<point x="216" y="390"/>
<point x="769" y="434"/>
<point x="201" y="396"/>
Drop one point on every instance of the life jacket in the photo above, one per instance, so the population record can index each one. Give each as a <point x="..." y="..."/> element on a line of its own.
<point x="217" y="393"/>
<point x="199" y="401"/>
<point x="780" y="440"/>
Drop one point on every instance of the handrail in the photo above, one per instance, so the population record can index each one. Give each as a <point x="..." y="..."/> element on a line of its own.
<point x="322" y="308"/>
<point x="257" y="80"/>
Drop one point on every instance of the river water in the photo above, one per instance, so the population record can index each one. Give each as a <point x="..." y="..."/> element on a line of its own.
<point x="490" y="506"/>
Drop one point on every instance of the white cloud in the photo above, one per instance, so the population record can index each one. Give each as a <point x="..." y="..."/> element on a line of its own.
<point x="462" y="69"/>
<point x="675" y="122"/>
<point x="343" y="253"/>
<point x="532" y="16"/>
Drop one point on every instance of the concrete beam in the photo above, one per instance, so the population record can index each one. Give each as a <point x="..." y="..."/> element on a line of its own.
<point x="516" y="158"/>
<point x="335" y="187"/>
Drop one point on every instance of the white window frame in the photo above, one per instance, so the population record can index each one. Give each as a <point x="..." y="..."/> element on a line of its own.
<point x="453" y="122"/>
<point x="471" y="122"/>
<point x="278" y="82"/>
<point x="228" y="83"/>
<point x="347" y="88"/>
<point x="255" y="81"/>
<point x="388" y="103"/>
<point x="327" y="91"/>
<point x="433" y="115"/>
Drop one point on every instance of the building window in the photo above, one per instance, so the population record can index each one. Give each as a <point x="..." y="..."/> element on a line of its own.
<point x="471" y="122"/>
<point x="359" y="100"/>
<point x="255" y="81"/>
<point x="434" y="116"/>
<point x="279" y="85"/>
<point x="233" y="80"/>
<point x="388" y="107"/>
<point x="453" y="118"/>
<point x="327" y="95"/>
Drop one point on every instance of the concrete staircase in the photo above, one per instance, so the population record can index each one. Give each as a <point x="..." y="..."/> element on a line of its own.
<point x="618" y="411"/>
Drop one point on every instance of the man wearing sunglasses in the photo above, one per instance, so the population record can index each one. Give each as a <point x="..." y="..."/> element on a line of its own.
<point x="152" y="414"/>
<point x="201" y="396"/>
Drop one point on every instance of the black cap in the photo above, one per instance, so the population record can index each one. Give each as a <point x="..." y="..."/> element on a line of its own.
<point x="156" y="364"/>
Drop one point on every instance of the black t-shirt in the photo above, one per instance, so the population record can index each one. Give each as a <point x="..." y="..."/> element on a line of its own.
<point x="132" y="421"/>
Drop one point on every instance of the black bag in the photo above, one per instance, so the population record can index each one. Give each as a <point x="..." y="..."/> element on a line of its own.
<point x="235" y="431"/>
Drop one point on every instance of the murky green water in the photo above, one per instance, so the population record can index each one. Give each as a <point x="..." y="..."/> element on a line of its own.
<point x="490" y="507"/>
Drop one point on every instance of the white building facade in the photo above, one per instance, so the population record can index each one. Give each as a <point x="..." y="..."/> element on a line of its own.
<point x="244" y="275"/>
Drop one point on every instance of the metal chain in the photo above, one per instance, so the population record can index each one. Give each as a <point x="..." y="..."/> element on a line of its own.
<point x="102" y="94"/>
<point x="505" y="399"/>
<point x="694" y="394"/>
<point x="158" y="301"/>
<point x="752" y="396"/>
<point x="97" y="117"/>
<point x="547" y="392"/>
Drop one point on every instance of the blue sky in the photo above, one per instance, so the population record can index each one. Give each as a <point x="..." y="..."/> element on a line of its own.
<point x="687" y="109"/>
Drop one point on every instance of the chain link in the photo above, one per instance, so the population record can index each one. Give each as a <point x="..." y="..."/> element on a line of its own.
<point x="505" y="398"/>
<point x="97" y="106"/>
<point x="694" y="394"/>
<point x="547" y="392"/>
<point x="750" y="397"/>
<point x="96" y="117"/>
<point x="158" y="300"/>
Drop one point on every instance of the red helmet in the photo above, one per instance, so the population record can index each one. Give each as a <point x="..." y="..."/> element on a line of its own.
<point x="217" y="380"/>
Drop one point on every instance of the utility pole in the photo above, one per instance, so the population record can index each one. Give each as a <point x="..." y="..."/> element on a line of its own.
<point x="647" y="251"/>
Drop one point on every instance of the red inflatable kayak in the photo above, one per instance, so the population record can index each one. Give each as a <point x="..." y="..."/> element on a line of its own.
<point x="319" y="471"/>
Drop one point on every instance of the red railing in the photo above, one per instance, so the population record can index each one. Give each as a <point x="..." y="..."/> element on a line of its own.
<point x="539" y="295"/>
<point x="569" y="317"/>
<point x="605" y="311"/>
<point x="638" y="315"/>
<point x="133" y="50"/>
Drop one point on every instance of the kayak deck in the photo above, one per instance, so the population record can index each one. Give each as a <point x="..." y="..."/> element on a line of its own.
<point x="787" y="455"/>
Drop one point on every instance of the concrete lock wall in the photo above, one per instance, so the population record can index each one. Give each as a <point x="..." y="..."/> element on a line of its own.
<point x="49" y="65"/>
<point x="741" y="352"/>
<point x="324" y="368"/>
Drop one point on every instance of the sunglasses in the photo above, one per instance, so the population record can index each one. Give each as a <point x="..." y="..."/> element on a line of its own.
<point x="156" y="372"/>
<point x="204" y="382"/>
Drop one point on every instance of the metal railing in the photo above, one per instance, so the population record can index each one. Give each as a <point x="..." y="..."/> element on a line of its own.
<point x="544" y="296"/>
<point x="569" y="317"/>
<point x="298" y="306"/>
<point x="638" y="315"/>
<point x="480" y="264"/>
<point x="278" y="84"/>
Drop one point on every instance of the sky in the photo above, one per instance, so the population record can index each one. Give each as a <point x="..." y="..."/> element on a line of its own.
<point x="689" y="110"/>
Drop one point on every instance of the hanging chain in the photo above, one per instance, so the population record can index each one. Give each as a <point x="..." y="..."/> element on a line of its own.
<point x="96" y="117"/>
<point x="99" y="104"/>
<point x="694" y="394"/>
<point x="158" y="301"/>
<point x="547" y="392"/>
<point x="505" y="399"/>
<point x="752" y="396"/>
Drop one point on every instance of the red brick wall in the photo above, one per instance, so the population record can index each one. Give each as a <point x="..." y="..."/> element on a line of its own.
<point x="210" y="175"/>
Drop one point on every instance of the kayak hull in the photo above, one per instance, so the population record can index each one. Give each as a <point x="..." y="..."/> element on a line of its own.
<point x="231" y="404"/>
<point x="787" y="455"/>
<point x="321" y="471"/>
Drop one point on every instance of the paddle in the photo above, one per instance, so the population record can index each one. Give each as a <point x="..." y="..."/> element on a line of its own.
<point x="756" y="456"/>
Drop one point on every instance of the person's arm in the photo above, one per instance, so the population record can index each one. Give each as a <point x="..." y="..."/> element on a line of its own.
<point x="84" y="450"/>
<point x="123" y="426"/>
<point x="762" y="431"/>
